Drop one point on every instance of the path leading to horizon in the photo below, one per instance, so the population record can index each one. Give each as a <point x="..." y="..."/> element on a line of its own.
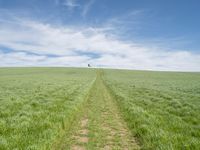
<point x="100" y="125"/>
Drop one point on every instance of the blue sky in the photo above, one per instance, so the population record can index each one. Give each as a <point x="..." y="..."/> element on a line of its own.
<point x="132" y="34"/>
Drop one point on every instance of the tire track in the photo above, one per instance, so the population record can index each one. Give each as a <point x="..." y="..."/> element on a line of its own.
<point x="100" y="125"/>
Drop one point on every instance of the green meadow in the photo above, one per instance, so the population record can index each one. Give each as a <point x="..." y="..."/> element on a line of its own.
<point x="43" y="108"/>
<point x="162" y="109"/>
<point x="37" y="103"/>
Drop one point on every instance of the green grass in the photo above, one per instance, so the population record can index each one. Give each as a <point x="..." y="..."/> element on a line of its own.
<point x="105" y="128"/>
<point x="37" y="103"/>
<point x="161" y="108"/>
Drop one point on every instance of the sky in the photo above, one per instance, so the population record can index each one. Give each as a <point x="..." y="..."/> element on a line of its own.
<point x="130" y="34"/>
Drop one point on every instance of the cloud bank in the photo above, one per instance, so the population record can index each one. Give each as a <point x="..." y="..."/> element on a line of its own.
<point x="32" y="43"/>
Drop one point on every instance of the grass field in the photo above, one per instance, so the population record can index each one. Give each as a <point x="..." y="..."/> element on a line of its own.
<point x="161" y="108"/>
<point x="71" y="108"/>
<point x="36" y="103"/>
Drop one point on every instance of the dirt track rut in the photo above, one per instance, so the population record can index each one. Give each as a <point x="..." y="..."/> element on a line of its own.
<point x="100" y="125"/>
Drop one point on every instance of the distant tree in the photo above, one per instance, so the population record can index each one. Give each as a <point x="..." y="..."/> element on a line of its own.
<point x="89" y="65"/>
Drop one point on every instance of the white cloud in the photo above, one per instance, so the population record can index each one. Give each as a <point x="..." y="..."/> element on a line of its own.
<point x="24" y="59"/>
<point x="70" y="4"/>
<point x="33" y="42"/>
<point x="87" y="7"/>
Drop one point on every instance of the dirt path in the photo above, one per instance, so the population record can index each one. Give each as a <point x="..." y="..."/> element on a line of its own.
<point x="101" y="125"/>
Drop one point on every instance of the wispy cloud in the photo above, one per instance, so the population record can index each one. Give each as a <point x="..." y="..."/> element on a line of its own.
<point x="70" y="4"/>
<point x="87" y="7"/>
<point x="38" y="44"/>
<point x="124" y="23"/>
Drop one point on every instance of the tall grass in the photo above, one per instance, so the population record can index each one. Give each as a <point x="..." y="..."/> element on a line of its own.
<point x="37" y="103"/>
<point x="161" y="108"/>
